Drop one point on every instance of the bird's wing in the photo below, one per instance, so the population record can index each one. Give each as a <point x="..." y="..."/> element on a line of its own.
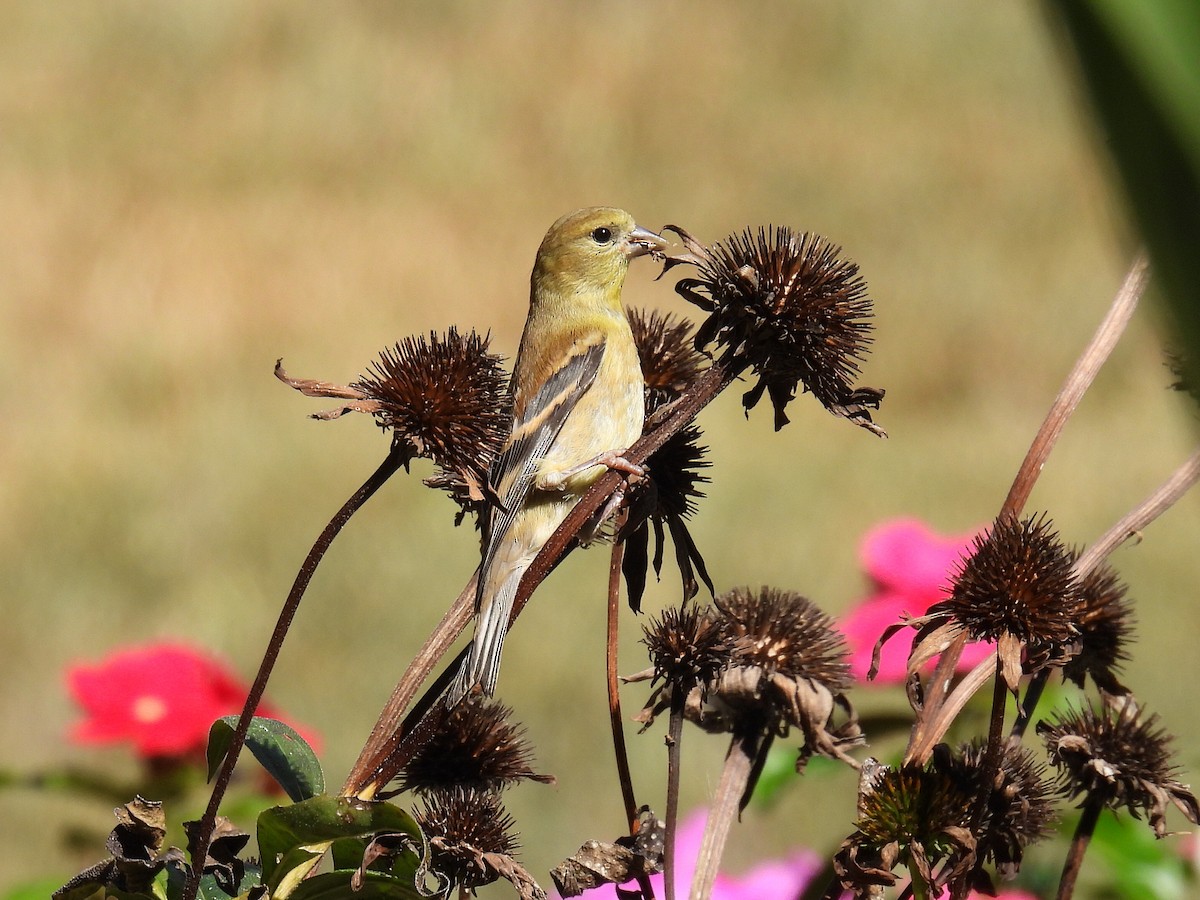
<point x="535" y="429"/>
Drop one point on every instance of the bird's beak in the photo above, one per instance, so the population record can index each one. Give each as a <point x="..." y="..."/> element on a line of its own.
<point x="642" y="241"/>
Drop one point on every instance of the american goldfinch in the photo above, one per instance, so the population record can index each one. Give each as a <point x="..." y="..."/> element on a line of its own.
<point x="577" y="406"/>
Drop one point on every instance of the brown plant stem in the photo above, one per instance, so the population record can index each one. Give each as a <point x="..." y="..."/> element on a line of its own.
<point x="994" y="749"/>
<point x="674" y="736"/>
<point x="934" y="727"/>
<point x="624" y="775"/>
<point x="391" y="463"/>
<point x="1092" y="807"/>
<point x="1159" y="501"/>
<point x="1078" y="381"/>
<point x="1076" y="384"/>
<point x="1026" y="709"/>
<point x="739" y="762"/>
<point x="380" y="743"/>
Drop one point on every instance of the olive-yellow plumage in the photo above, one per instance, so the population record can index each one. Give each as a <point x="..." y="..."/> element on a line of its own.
<point x="577" y="405"/>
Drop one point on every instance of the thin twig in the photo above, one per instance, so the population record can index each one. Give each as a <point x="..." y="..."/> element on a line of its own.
<point x="624" y="775"/>
<point x="380" y="743"/>
<point x="1077" y="383"/>
<point x="1142" y="515"/>
<point x="674" y="737"/>
<point x="386" y="469"/>
<point x="937" y="725"/>
<point x="1026" y="709"/>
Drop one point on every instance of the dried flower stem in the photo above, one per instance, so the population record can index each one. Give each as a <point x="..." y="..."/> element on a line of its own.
<point x="1077" y="383"/>
<point x="674" y="736"/>
<point x="1143" y="514"/>
<point x="386" y="469"/>
<point x="1092" y="807"/>
<point x="739" y="762"/>
<point x="1025" y="710"/>
<point x="614" y="697"/>
<point x="930" y="729"/>
<point x="385" y="734"/>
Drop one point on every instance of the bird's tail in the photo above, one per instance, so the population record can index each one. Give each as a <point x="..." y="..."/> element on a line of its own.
<point x="482" y="665"/>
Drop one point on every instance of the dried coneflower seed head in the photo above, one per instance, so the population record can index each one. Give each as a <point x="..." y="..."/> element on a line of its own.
<point x="1019" y="808"/>
<point x="442" y="398"/>
<point x="464" y="827"/>
<point x="783" y="632"/>
<point x="686" y="645"/>
<point x="475" y="745"/>
<point x="1018" y="581"/>
<point x="914" y="807"/>
<point x="1121" y="758"/>
<point x="675" y="470"/>
<point x="1105" y="627"/>
<point x="787" y="305"/>
<point x="669" y="358"/>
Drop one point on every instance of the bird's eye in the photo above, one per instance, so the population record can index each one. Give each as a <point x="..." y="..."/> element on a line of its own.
<point x="602" y="235"/>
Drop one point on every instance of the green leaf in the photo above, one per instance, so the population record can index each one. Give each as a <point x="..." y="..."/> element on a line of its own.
<point x="290" y="836"/>
<point x="285" y="755"/>
<point x="336" y="885"/>
<point x="1141" y="65"/>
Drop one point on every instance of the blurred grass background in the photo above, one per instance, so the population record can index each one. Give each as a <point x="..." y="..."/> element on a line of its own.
<point x="192" y="190"/>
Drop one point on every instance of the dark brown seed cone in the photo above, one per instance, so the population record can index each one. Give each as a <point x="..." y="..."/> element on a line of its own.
<point x="1105" y="628"/>
<point x="783" y="632"/>
<point x="786" y="305"/>
<point x="466" y="829"/>
<point x="665" y="499"/>
<point x="444" y="399"/>
<point x="787" y="668"/>
<point x="474" y="746"/>
<point x="1019" y="579"/>
<point x="670" y="361"/>
<point x="912" y="816"/>
<point x="1019" y="809"/>
<point x="1121" y="756"/>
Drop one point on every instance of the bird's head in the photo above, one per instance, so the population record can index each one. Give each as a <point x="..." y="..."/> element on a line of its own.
<point x="590" y="250"/>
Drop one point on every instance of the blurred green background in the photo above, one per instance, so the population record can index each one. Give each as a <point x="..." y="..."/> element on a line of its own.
<point x="192" y="190"/>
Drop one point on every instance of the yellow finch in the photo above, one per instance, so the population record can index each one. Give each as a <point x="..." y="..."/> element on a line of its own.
<point x="577" y="406"/>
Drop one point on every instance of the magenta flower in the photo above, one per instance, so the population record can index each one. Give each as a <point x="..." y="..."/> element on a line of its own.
<point x="774" y="878"/>
<point x="910" y="568"/>
<point x="162" y="698"/>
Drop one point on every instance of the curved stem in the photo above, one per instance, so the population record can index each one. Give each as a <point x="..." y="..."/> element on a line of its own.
<point x="1142" y="515"/>
<point x="624" y="774"/>
<point x="1078" y="381"/>
<point x="386" y="469"/>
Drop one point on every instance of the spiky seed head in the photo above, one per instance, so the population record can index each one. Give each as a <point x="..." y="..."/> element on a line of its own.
<point x="686" y="646"/>
<point x="914" y="806"/>
<point x="1105" y="627"/>
<point x="792" y="308"/>
<point x="670" y="361"/>
<point x="1018" y="580"/>
<point x="785" y="632"/>
<point x="444" y="398"/>
<point x="463" y="825"/>
<point x="476" y="745"/>
<point x="1019" y="809"/>
<point x="1120" y="756"/>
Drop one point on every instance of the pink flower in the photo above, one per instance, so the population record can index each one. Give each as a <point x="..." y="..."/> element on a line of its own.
<point x="911" y="568"/>
<point x="775" y="878"/>
<point x="160" y="697"/>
